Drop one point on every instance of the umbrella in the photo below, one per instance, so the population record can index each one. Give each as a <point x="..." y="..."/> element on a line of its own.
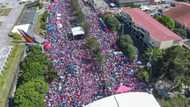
<point x="122" y="89"/>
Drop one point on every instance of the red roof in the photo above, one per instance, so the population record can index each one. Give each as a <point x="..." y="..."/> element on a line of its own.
<point x="157" y="31"/>
<point x="180" y="13"/>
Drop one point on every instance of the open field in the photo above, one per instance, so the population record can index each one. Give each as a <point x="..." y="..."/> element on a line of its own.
<point x="6" y="78"/>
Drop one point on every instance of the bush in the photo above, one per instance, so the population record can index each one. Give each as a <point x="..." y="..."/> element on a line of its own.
<point x="167" y="21"/>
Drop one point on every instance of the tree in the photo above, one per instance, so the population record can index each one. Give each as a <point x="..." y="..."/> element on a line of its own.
<point x="173" y="67"/>
<point x="50" y="74"/>
<point x="143" y="74"/>
<point x="31" y="70"/>
<point x="93" y="44"/>
<point x="124" y="40"/>
<point x="167" y="21"/>
<point x="176" y="59"/>
<point x="152" y="55"/>
<point x="112" y="22"/>
<point x="36" y="49"/>
<point x="131" y="52"/>
<point x="31" y="94"/>
<point x="178" y="101"/>
<point x="125" y="43"/>
<point x="180" y="31"/>
<point x="35" y="65"/>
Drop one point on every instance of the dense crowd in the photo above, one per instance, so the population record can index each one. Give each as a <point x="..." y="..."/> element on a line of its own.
<point x="81" y="80"/>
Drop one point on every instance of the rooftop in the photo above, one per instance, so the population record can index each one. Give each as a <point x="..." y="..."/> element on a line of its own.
<point x="157" y="31"/>
<point x="180" y="13"/>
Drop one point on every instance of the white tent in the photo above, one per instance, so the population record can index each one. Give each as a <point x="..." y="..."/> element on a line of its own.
<point x="58" y="14"/>
<point x="24" y="27"/>
<point x="77" y="31"/>
<point x="130" y="99"/>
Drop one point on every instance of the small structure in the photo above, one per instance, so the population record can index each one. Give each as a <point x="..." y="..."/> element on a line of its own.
<point x="130" y="99"/>
<point x="77" y="32"/>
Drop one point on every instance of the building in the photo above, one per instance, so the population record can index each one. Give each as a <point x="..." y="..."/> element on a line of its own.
<point x="180" y="13"/>
<point x="150" y="31"/>
<point x="129" y="99"/>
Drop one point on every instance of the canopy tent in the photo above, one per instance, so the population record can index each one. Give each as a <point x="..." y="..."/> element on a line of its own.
<point x="122" y="89"/>
<point x="76" y="31"/>
<point x="24" y="27"/>
<point x="131" y="99"/>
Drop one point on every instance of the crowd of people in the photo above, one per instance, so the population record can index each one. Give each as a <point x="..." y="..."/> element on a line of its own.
<point x="81" y="79"/>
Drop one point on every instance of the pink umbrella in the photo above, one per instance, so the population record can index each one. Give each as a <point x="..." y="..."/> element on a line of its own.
<point x="47" y="45"/>
<point x="122" y="89"/>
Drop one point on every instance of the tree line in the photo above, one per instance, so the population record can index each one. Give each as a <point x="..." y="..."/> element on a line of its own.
<point x="170" y="69"/>
<point x="36" y="73"/>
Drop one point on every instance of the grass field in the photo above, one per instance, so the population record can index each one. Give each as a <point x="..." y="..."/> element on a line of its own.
<point x="4" y="11"/>
<point x="7" y="76"/>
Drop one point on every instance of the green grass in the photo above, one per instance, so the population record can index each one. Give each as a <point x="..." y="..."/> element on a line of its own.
<point x="38" y="25"/>
<point x="5" y="11"/>
<point x="6" y="78"/>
